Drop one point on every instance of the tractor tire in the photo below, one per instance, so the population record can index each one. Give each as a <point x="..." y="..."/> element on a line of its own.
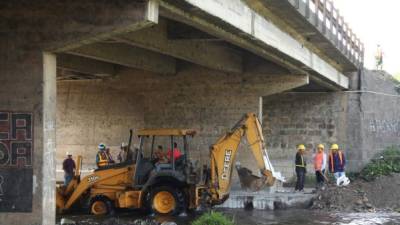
<point x="166" y="200"/>
<point x="101" y="205"/>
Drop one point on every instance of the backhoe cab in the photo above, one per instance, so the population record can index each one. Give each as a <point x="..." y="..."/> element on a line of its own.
<point x="158" y="176"/>
<point x="164" y="181"/>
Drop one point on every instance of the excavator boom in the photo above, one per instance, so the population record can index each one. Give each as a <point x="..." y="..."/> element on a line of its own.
<point x="223" y="156"/>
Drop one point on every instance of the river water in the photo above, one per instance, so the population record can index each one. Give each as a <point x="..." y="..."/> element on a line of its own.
<point x="257" y="217"/>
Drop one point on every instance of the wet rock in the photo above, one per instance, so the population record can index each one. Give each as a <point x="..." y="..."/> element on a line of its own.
<point x="348" y="208"/>
<point x="183" y="214"/>
<point x="369" y="205"/>
<point x="65" y="221"/>
<point x="145" y="222"/>
<point x="168" y="223"/>
<point x="371" y="210"/>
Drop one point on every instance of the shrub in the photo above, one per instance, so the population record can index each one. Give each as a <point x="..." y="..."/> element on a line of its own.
<point x="384" y="164"/>
<point x="213" y="218"/>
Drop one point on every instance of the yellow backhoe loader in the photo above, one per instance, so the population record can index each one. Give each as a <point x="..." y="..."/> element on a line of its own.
<point x="170" y="185"/>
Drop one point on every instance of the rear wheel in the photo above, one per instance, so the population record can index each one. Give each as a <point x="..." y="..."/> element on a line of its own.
<point x="167" y="200"/>
<point x="101" y="205"/>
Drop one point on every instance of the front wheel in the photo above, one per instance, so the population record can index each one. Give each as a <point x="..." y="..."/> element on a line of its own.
<point x="101" y="205"/>
<point x="166" y="200"/>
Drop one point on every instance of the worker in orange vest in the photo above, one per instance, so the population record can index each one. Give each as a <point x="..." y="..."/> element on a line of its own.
<point x="101" y="157"/>
<point x="337" y="162"/>
<point x="320" y="165"/>
<point x="300" y="164"/>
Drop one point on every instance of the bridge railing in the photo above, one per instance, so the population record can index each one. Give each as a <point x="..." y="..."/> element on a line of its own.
<point x="327" y="19"/>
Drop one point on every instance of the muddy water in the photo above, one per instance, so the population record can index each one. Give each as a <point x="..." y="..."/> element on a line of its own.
<point x="257" y="217"/>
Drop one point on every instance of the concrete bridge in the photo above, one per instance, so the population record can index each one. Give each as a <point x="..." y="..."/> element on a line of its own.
<point x="74" y="74"/>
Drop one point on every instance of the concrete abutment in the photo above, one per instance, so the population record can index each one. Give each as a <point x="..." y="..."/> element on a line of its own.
<point x="363" y="122"/>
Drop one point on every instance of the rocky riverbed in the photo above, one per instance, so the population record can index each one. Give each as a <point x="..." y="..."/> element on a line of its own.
<point x="375" y="202"/>
<point x="382" y="194"/>
<point x="254" y="217"/>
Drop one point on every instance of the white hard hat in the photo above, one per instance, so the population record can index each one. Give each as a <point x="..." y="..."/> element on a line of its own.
<point x="68" y="153"/>
<point x="102" y="146"/>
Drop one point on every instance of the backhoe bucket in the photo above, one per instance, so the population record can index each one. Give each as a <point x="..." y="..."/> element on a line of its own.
<point x="251" y="182"/>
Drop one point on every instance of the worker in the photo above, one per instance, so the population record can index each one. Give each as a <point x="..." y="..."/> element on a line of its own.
<point x="159" y="155"/>
<point x="123" y="153"/>
<point x="176" y="153"/>
<point x="301" y="171"/>
<point x="320" y="165"/>
<point x="337" y="162"/>
<point x="379" y="58"/>
<point x="101" y="157"/>
<point x="110" y="159"/>
<point x="69" y="169"/>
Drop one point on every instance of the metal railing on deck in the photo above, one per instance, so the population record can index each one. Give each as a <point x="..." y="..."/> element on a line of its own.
<point x="326" y="18"/>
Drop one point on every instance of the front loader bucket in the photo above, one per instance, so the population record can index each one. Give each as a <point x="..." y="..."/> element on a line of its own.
<point x="60" y="201"/>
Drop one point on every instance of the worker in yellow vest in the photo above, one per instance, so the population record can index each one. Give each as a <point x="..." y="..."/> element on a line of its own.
<point x="301" y="165"/>
<point x="101" y="157"/>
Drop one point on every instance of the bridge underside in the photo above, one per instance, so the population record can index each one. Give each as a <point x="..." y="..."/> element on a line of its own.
<point x="183" y="28"/>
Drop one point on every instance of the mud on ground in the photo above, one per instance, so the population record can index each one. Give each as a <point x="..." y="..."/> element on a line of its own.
<point x="361" y="196"/>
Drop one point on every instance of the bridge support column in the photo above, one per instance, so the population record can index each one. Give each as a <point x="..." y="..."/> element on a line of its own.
<point x="27" y="135"/>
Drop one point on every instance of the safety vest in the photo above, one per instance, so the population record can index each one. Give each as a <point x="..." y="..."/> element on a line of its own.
<point x="102" y="159"/>
<point x="302" y="162"/>
<point x="318" y="161"/>
<point x="331" y="159"/>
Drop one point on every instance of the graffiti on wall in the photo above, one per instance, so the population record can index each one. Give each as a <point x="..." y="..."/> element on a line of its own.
<point x="385" y="126"/>
<point x="16" y="161"/>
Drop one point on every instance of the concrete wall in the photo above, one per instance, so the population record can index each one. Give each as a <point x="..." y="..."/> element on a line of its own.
<point x="90" y="112"/>
<point x="93" y="112"/>
<point x="300" y="118"/>
<point x="380" y="110"/>
<point x="361" y="122"/>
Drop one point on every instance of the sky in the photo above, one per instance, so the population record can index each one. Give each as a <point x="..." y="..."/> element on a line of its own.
<point x="375" y="22"/>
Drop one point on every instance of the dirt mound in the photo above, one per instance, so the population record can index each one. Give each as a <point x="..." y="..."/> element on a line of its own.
<point x="361" y="196"/>
<point x="384" y="192"/>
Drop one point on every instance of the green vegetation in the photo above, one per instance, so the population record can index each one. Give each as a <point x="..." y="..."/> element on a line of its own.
<point x="213" y="218"/>
<point x="397" y="77"/>
<point x="397" y="82"/>
<point x="384" y="164"/>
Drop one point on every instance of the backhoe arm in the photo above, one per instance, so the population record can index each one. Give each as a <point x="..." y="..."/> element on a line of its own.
<point x="223" y="156"/>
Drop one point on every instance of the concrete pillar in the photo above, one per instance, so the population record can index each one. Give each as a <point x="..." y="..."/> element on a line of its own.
<point x="49" y="139"/>
<point x="27" y="99"/>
